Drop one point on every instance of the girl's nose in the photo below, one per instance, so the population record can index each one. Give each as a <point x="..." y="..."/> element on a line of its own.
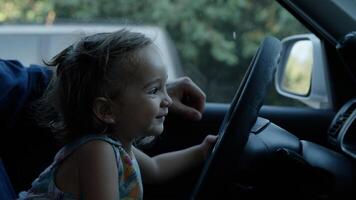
<point x="167" y="101"/>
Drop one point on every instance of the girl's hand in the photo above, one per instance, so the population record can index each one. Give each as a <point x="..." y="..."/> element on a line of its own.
<point x="207" y="144"/>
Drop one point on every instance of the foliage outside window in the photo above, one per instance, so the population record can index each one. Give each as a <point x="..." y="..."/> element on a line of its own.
<point x="215" y="39"/>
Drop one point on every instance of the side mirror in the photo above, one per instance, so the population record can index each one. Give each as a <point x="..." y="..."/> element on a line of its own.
<point x="302" y="71"/>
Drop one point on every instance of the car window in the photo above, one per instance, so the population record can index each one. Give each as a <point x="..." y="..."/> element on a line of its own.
<point x="214" y="40"/>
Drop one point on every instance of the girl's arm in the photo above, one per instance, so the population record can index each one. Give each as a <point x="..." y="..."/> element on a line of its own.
<point x="168" y="165"/>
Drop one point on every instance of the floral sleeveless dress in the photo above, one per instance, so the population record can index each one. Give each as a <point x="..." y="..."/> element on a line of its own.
<point x="130" y="182"/>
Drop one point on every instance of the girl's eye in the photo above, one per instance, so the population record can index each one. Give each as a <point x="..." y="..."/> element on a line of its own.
<point x="153" y="90"/>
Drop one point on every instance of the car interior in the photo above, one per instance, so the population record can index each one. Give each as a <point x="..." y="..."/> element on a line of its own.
<point x="263" y="151"/>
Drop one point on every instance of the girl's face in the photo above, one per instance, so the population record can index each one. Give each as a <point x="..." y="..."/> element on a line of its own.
<point x="143" y="106"/>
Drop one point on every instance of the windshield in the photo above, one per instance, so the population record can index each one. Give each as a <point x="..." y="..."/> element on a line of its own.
<point x="211" y="41"/>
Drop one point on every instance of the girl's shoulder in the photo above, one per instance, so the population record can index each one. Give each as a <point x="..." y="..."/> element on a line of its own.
<point x="95" y="139"/>
<point x="99" y="155"/>
<point x="95" y="149"/>
<point x="88" y="158"/>
<point x="86" y="144"/>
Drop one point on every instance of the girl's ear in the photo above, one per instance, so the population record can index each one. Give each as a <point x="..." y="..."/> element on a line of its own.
<point x="103" y="111"/>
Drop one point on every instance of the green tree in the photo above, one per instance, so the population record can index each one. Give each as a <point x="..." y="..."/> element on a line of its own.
<point x="25" y="11"/>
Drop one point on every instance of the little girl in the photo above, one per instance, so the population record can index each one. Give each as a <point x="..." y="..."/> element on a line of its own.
<point x="109" y="90"/>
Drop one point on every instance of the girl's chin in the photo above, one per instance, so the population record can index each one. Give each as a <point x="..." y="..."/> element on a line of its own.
<point x="156" y="131"/>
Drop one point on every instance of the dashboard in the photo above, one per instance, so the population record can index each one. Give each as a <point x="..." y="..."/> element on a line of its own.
<point x="342" y="131"/>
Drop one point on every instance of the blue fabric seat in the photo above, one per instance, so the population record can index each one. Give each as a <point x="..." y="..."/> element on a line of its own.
<point x="6" y="189"/>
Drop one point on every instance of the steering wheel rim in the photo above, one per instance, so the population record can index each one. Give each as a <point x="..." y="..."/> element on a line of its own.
<point x="241" y="116"/>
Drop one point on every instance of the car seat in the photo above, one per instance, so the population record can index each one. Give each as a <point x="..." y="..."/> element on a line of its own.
<point x="6" y="189"/>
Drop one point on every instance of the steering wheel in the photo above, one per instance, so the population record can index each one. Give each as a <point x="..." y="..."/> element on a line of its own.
<point x="240" y="118"/>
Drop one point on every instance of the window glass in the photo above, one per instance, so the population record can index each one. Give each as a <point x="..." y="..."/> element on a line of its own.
<point x="215" y="40"/>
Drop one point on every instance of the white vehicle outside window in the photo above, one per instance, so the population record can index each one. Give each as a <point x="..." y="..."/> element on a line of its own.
<point x="31" y="44"/>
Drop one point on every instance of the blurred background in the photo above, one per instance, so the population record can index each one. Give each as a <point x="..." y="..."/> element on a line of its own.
<point x="215" y="39"/>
